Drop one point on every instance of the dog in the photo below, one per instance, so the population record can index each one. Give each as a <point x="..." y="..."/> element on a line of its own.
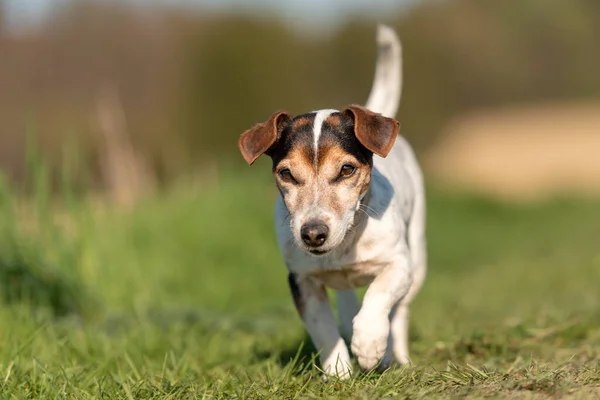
<point x="350" y="213"/>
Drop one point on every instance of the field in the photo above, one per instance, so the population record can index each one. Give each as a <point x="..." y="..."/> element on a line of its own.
<point x="185" y="296"/>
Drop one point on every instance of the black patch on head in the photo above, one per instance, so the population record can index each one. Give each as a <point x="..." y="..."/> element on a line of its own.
<point x="300" y="130"/>
<point x="291" y="135"/>
<point x="343" y="135"/>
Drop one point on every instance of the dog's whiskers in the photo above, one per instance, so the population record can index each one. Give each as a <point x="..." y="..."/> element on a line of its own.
<point x="287" y="218"/>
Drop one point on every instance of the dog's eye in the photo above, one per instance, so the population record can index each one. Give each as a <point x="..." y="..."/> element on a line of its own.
<point x="286" y="175"/>
<point x="347" y="170"/>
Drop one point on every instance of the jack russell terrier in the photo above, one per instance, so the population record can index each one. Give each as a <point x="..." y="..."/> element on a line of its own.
<point x="351" y="213"/>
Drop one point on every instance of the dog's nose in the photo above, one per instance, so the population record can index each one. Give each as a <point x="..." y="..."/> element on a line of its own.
<point x="314" y="233"/>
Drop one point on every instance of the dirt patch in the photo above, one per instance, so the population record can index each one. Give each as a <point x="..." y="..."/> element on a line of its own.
<point x="525" y="153"/>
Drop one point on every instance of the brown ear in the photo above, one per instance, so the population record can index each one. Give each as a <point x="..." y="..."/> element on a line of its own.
<point x="376" y="132"/>
<point x="257" y="140"/>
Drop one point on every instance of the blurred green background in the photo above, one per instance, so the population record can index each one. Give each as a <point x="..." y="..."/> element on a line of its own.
<point x="137" y="251"/>
<point x="186" y="80"/>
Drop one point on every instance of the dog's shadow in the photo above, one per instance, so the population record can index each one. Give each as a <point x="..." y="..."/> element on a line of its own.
<point x="299" y="356"/>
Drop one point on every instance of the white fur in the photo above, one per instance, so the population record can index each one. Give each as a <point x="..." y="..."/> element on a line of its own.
<point x="387" y="84"/>
<point x="386" y="247"/>
<point x="320" y="117"/>
<point x="321" y="326"/>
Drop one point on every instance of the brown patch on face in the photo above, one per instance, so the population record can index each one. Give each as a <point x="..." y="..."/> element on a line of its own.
<point x="302" y="123"/>
<point x="300" y="162"/>
<point x="330" y="153"/>
<point x="334" y="121"/>
<point x="301" y="157"/>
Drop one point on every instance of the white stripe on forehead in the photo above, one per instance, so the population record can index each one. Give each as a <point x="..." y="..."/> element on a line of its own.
<point x="320" y="117"/>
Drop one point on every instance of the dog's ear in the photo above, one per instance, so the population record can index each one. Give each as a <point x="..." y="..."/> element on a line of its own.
<point x="376" y="132"/>
<point x="257" y="140"/>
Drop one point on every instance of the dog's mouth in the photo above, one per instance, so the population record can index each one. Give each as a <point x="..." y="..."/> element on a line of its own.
<point x="317" y="252"/>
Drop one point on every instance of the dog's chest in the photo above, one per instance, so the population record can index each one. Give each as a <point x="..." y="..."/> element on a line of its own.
<point x="349" y="277"/>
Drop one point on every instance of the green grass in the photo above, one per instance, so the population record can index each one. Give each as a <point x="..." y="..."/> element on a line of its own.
<point x="186" y="297"/>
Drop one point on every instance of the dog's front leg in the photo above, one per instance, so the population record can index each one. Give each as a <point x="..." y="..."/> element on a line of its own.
<point x="348" y="306"/>
<point x="313" y="305"/>
<point x="372" y="325"/>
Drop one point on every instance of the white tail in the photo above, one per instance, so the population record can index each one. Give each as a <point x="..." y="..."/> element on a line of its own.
<point x="387" y="85"/>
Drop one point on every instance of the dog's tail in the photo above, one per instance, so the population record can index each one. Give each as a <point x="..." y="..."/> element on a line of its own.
<point x="387" y="85"/>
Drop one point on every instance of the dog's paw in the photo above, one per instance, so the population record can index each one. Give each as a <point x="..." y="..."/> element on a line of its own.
<point x="341" y="371"/>
<point x="337" y="363"/>
<point x="369" y="340"/>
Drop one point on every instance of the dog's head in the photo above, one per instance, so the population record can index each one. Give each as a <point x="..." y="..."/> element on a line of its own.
<point x="322" y="165"/>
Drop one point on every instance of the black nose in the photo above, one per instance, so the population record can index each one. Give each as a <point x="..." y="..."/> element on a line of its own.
<point x="314" y="233"/>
